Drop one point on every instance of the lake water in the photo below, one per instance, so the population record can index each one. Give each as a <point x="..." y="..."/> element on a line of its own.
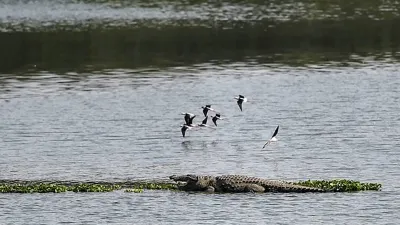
<point x="335" y="122"/>
<point x="70" y="112"/>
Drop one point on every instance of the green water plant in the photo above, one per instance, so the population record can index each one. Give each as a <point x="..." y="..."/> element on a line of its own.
<point x="32" y="188"/>
<point x="55" y="188"/>
<point x="341" y="185"/>
<point x="155" y="186"/>
<point x="134" y="190"/>
<point x="93" y="188"/>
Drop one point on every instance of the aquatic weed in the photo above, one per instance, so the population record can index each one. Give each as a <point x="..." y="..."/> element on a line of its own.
<point x="155" y="186"/>
<point x="134" y="190"/>
<point x="93" y="188"/>
<point x="341" y="185"/>
<point x="33" y="188"/>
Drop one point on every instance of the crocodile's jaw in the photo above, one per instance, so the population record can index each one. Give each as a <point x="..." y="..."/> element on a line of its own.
<point x="184" y="178"/>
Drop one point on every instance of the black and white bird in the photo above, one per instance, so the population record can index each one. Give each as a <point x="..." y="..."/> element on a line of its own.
<point x="184" y="129"/>
<point x="215" y="118"/>
<point x="206" y="109"/>
<point x="273" y="138"/>
<point x="240" y="101"/>
<point x="189" y="118"/>
<point x="204" y="122"/>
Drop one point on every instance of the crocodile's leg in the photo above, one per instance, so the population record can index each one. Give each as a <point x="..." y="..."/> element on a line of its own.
<point x="210" y="189"/>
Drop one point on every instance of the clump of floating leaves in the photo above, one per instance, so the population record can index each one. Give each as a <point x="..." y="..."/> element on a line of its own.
<point x="55" y="188"/>
<point x="155" y="186"/>
<point x="93" y="188"/>
<point x="34" y="188"/>
<point x="341" y="185"/>
<point x="134" y="190"/>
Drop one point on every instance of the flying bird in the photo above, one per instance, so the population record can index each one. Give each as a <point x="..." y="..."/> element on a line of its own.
<point x="206" y="109"/>
<point x="184" y="129"/>
<point x="273" y="138"/>
<point x="189" y="118"/>
<point x="204" y="122"/>
<point x="215" y="118"/>
<point x="240" y="101"/>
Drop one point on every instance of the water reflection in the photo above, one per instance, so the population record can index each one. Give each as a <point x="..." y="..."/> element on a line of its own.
<point x="294" y="43"/>
<point x="198" y="145"/>
<point x="187" y="145"/>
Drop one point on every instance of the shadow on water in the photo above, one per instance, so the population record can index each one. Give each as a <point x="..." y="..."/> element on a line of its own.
<point x="285" y="42"/>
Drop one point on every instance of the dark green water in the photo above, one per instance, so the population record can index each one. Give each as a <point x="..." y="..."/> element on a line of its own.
<point x="74" y="35"/>
<point x="299" y="42"/>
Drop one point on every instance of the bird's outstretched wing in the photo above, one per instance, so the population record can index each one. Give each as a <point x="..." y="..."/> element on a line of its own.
<point x="275" y="132"/>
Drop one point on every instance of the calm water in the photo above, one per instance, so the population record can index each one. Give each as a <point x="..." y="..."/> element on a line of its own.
<point x="105" y="104"/>
<point x="336" y="122"/>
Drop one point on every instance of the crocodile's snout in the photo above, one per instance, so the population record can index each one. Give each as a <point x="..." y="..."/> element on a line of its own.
<point x="184" y="178"/>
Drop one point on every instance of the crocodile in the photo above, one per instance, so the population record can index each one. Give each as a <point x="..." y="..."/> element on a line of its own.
<point x="237" y="184"/>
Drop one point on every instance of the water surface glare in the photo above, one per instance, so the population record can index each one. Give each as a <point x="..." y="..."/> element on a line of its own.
<point x="33" y="15"/>
<point x="335" y="122"/>
<point x="26" y="15"/>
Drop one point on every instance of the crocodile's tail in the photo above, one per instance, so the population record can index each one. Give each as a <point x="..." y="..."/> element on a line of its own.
<point x="294" y="188"/>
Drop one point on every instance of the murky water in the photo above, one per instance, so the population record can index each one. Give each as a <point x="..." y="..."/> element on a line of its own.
<point x="336" y="122"/>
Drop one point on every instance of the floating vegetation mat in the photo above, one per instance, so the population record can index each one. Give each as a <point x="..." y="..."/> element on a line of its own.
<point x="56" y="188"/>
<point x="341" y="185"/>
<point x="19" y="186"/>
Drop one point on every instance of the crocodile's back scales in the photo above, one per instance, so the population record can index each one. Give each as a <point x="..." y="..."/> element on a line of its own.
<point x="230" y="183"/>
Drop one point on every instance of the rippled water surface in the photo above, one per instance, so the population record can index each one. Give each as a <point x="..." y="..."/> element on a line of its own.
<point x="335" y="122"/>
<point x="26" y="15"/>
